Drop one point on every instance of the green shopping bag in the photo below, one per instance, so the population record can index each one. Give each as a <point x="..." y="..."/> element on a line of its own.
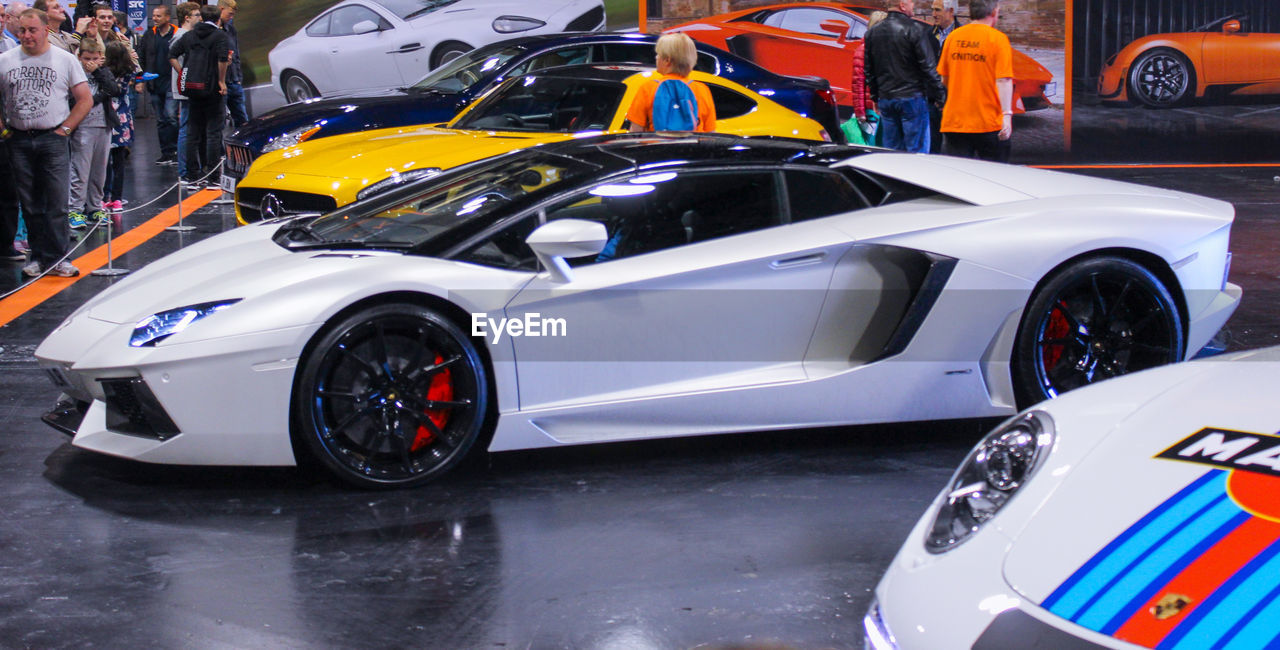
<point x="853" y="131"/>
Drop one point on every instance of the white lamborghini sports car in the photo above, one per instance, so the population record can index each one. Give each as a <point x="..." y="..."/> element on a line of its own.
<point x="638" y="286"/>
<point x="1143" y="512"/>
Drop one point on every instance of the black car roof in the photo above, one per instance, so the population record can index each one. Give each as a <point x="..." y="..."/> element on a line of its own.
<point x="649" y="149"/>
<point x="597" y="71"/>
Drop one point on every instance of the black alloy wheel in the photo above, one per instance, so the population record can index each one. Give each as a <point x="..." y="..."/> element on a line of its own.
<point x="298" y="88"/>
<point x="1161" y="78"/>
<point x="1096" y="319"/>
<point x="392" y="396"/>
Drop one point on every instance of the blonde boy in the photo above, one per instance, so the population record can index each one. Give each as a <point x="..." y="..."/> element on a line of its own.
<point x="91" y="143"/>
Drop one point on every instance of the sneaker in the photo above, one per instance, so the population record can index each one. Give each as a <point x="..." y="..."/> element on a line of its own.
<point x="21" y="246"/>
<point x="193" y="186"/>
<point x="101" y="217"/>
<point x="32" y="269"/>
<point x="13" y="255"/>
<point x="77" y="219"/>
<point x="64" y="270"/>
<point x="167" y="160"/>
<point x="114" y="206"/>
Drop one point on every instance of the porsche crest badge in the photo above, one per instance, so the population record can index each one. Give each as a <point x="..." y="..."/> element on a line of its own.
<point x="1169" y="606"/>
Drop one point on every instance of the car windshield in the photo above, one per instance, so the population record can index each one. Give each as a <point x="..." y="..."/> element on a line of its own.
<point x="409" y="9"/>
<point x="555" y="104"/>
<point x="460" y="73"/>
<point x="452" y="206"/>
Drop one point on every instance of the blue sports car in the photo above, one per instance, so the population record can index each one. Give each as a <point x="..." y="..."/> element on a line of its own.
<point x="439" y="96"/>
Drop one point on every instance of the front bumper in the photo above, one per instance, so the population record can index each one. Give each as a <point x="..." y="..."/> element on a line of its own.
<point x="215" y="402"/>
<point x="960" y="599"/>
<point x="1111" y="86"/>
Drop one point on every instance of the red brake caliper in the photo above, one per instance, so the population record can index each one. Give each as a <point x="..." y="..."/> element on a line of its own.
<point x="1058" y="328"/>
<point x="440" y="390"/>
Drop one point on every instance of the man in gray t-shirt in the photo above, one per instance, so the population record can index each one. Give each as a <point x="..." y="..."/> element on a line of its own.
<point x="35" y="82"/>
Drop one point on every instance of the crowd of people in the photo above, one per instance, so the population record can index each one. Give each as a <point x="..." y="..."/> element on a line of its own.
<point x="68" y="89"/>
<point x="941" y="88"/>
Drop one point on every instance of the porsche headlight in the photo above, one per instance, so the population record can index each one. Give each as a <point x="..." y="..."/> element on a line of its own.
<point x="294" y="137"/>
<point x="158" y="327"/>
<point x="512" y="24"/>
<point x="396" y="178"/>
<point x="994" y="471"/>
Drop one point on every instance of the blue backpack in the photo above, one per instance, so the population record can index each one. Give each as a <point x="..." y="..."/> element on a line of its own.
<point x="674" y="107"/>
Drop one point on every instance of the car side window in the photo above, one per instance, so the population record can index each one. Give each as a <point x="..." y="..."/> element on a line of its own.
<point x="505" y="248"/>
<point x="655" y="212"/>
<point x="344" y="20"/>
<point x="642" y="54"/>
<point x="730" y="103"/>
<point x="638" y="53"/>
<point x="565" y="56"/>
<point x="808" y="20"/>
<point x="812" y="195"/>
<point x="319" y="26"/>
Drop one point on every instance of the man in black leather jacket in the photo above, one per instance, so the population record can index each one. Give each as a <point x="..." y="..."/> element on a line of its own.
<point x="902" y="77"/>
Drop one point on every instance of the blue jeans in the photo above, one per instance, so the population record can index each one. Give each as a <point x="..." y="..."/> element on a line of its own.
<point x="41" y="167"/>
<point x="235" y="105"/>
<point x="182" y="138"/>
<point x="905" y="123"/>
<point x="166" y="108"/>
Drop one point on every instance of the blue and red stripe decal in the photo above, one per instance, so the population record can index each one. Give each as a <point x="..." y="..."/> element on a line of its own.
<point x="1200" y="545"/>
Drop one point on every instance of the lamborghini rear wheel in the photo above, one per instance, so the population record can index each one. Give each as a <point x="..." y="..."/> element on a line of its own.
<point x="1096" y="319"/>
<point x="394" y="395"/>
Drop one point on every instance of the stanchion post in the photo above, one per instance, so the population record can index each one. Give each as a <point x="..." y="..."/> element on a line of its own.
<point x="223" y="198"/>
<point x="111" y="270"/>
<point x="180" y="227"/>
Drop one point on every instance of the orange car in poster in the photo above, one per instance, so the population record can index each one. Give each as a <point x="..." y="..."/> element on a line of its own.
<point x="1163" y="70"/>
<point x="818" y="38"/>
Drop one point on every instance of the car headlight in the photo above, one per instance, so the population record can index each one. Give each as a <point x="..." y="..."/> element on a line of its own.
<point x="993" y="472"/>
<point x="512" y="24"/>
<point x="293" y="137"/>
<point x="396" y="178"/>
<point x="157" y="327"/>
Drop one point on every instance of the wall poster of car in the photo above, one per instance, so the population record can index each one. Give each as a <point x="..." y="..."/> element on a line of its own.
<point x="803" y="38"/>
<point x="309" y="48"/>
<point x="1176" y="80"/>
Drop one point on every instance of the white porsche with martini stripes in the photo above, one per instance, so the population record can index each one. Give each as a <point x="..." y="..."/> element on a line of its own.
<point x="1142" y="512"/>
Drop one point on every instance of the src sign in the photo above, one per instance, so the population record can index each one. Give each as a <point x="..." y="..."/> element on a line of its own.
<point x="137" y="13"/>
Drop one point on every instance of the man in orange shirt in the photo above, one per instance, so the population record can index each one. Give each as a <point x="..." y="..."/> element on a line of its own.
<point x="977" y="67"/>
<point x="675" y="56"/>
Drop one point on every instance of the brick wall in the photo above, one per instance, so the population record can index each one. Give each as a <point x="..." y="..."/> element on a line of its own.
<point x="1035" y="23"/>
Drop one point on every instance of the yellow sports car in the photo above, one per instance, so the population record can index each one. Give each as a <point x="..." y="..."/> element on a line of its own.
<point x="547" y="106"/>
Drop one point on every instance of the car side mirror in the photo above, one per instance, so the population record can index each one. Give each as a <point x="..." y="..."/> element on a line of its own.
<point x="1231" y="27"/>
<point x="553" y="242"/>
<point x="837" y="27"/>
<point x="364" y="27"/>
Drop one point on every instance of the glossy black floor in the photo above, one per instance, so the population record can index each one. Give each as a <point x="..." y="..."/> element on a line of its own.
<point x="733" y="541"/>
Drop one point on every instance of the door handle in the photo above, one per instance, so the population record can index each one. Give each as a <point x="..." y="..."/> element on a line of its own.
<point x="407" y="47"/>
<point x="803" y="260"/>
